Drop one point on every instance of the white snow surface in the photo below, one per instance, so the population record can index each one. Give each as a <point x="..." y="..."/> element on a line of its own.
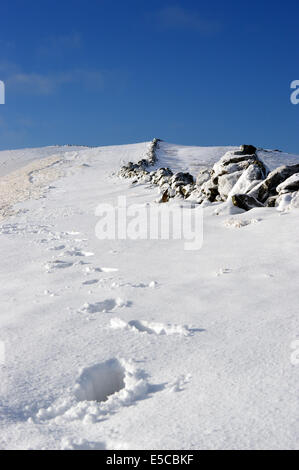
<point x="140" y="344"/>
<point x="11" y="160"/>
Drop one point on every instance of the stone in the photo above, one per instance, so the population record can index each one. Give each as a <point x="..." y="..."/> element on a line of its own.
<point x="187" y="190"/>
<point x="203" y="176"/>
<point x="288" y="201"/>
<point x="240" y="166"/>
<point x="273" y="180"/>
<point x="243" y="201"/>
<point x="143" y="162"/>
<point x="164" y="172"/>
<point x="232" y="162"/>
<point x="271" y="202"/>
<point x="246" y="150"/>
<point x="164" y="180"/>
<point x="196" y="195"/>
<point x="210" y="191"/>
<point x="226" y="183"/>
<point x="182" y="178"/>
<point x="249" y="178"/>
<point x="289" y="185"/>
<point x="164" y="197"/>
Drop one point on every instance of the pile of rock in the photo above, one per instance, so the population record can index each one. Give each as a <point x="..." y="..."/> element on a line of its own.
<point x="171" y="185"/>
<point x="237" y="171"/>
<point x="138" y="171"/>
<point x="281" y="181"/>
<point x="175" y="185"/>
<point x="239" y="176"/>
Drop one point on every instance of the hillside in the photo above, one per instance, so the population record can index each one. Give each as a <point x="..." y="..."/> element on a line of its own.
<point x="142" y="344"/>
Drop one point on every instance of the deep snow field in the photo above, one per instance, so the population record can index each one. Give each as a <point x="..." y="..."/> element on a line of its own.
<point x="123" y="344"/>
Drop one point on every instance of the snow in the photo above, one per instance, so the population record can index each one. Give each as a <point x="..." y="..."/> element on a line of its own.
<point x="12" y="160"/>
<point x="121" y="344"/>
<point x="193" y="159"/>
<point x="294" y="179"/>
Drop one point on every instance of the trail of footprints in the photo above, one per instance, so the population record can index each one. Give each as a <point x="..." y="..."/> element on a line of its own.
<point x="105" y="387"/>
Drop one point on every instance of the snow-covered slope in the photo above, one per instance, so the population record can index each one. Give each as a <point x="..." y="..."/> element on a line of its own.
<point x="192" y="159"/>
<point x="11" y="160"/>
<point x="196" y="345"/>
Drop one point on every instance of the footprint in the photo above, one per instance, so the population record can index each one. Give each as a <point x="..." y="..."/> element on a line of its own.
<point x="48" y="292"/>
<point x="222" y="271"/>
<point x="236" y="223"/>
<point x="91" y="269"/>
<point x="179" y="384"/>
<point x="99" y="390"/>
<point x="152" y="327"/>
<point x="82" y="444"/>
<point x="98" y="382"/>
<point x="57" y="248"/>
<point x="57" y="264"/>
<point x="91" y="282"/>
<point x="140" y="285"/>
<point x="105" y="306"/>
<point x="77" y="252"/>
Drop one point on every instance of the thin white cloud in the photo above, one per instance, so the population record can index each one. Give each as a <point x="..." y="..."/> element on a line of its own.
<point x="46" y="84"/>
<point x="7" y="44"/>
<point x="176" y="17"/>
<point x="55" y="45"/>
<point x="32" y="83"/>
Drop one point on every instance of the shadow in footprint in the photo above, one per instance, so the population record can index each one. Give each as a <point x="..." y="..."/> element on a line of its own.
<point x="196" y="330"/>
<point x="57" y="264"/>
<point x="98" y="382"/>
<point x="140" y="327"/>
<point x="91" y="282"/>
<point x="154" y="388"/>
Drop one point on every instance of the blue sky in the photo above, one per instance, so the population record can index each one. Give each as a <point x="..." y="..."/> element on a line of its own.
<point x="100" y="72"/>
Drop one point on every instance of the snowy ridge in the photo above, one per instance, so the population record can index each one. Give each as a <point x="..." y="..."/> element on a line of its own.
<point x="108" y="341"/>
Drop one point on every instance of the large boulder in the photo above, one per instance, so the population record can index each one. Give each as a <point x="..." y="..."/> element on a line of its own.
<point x="238" y="160"/>
<point x="227" y="182"/>
<point x="230" y="162"/>
<point x="249" y="178"/>
<point x="246" y="150"/>
<point x="179" y="179"/>
<point x="268" y="187"/>
<point x="236" y="172"/>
